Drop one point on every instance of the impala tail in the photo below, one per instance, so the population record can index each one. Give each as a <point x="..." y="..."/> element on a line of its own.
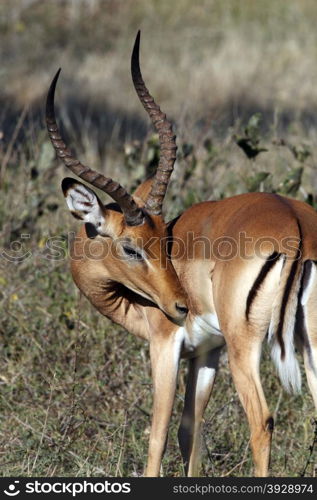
<point x="288" y="324"/>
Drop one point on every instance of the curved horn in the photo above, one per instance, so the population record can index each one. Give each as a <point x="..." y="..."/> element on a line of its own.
<point x="132" y="213"/>
<point x="166" y="137"/>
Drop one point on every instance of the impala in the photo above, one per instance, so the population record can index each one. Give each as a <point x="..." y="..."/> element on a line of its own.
<point x="191" y="303"/>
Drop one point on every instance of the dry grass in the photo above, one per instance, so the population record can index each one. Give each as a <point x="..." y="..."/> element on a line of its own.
<point x="206" y="55"/>
<point x="75" y="391"/>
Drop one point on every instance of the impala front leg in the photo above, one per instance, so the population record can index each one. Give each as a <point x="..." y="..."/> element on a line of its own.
<point x="200" y="380"/>
<point x="165" y="356"/>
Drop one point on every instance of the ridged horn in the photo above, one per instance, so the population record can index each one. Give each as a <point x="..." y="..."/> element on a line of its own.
<point x="132" y="213"/>
<point x="167" y="139"/>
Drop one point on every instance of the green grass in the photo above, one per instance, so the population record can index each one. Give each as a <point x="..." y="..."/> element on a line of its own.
<point x="75" y="390"/>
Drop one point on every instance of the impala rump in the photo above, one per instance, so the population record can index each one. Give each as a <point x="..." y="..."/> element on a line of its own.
<point x="294" y="325"/>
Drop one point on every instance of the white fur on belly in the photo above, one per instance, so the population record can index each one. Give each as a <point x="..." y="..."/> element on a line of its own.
<point x="201" y="335"/>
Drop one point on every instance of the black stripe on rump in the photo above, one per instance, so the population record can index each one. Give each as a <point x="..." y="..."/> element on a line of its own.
<point x="300" y="326"/>
<point x="287" y="292"/>
<point x="269" y="263"/>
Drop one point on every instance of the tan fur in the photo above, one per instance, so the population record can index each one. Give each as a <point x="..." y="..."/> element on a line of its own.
<point x="211" y="286"/>
<point x="212" y="276"/>
<point x="142" y="192"/>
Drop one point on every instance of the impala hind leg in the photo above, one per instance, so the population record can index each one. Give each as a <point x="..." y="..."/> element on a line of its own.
<point x="201" y="376"/>
<point x="306" y="325"/>
<point x="165" y="356"/>
<point x="244" y="358"/>
<point x="311" y="375"/>
<point x="310" y="357"/>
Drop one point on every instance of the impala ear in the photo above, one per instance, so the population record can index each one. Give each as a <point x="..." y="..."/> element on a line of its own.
<point x="83" y="203"/>
<point x="142" y="192"/>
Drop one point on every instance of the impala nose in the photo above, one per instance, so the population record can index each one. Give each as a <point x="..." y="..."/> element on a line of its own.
<point x="182" y="309"/>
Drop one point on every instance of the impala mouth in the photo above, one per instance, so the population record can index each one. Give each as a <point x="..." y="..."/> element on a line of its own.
<point x="181" y="308"/>
<point x="176" y="313"/>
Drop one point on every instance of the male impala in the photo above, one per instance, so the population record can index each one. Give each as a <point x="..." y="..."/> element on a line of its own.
<point x="189" y="303"/>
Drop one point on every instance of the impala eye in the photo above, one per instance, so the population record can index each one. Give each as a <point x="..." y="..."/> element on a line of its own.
<point x="132" y="253"/>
